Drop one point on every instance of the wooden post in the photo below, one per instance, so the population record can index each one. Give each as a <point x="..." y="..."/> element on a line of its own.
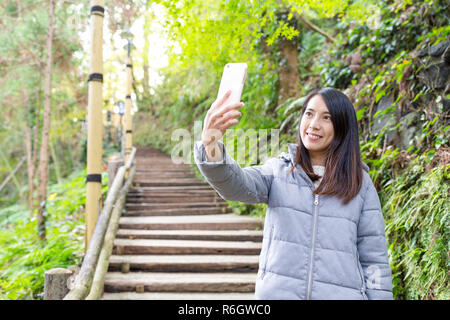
<point x="55" y="283"/>
<point x="95" y="123"/>
<point x="128" y="117"/>
<point x="113" y="165"/>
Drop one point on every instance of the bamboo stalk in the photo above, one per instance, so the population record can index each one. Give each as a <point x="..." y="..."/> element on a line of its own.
<point x="103" y="262"/>
<point x="128" y="117"/>
<point x="95" y="127"/>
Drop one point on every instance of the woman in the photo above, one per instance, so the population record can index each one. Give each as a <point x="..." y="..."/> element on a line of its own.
<point x="324" y="231"/>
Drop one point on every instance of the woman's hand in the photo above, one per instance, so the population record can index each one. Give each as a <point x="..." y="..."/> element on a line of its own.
<point x="218" y="119"/>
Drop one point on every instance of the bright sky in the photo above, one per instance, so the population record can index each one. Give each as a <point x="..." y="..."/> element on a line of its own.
<point x="158" y="44"/>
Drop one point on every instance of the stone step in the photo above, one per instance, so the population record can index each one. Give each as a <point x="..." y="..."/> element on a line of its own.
<point x="158" y="246"/>
<point x="179" y="282"/>
<point x="170" y="182"/>
<point x="200" y="188"/>
<point x="173" y="191"/>
<point x="147" y="178"/>
<point x="175" y="194"/>
<point x="177" y="239"/>
<point x="219" y="235"/>
<point x="158" y="159"/>
<point x="165" y="170"/>
<point x="178" y="296"/>
<point x="162" y="166"/>
<point x="168" y="205"/>
<point x="164" y="173"/>
<point x="176" y="212"/>
<point x="198" y="222"/>
<point x="150" y="178"/>
<point x="209" y="196"/>
<point x="132" y="199"/>
<point x="197" y="189"/>
<point x="162" y="170"/>
<point x="184" y="263"/>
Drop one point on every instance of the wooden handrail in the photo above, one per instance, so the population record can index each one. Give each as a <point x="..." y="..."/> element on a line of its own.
<point x="84" y="279"/>
<point x="103" y="261"/>
<point x="131" y="158"/>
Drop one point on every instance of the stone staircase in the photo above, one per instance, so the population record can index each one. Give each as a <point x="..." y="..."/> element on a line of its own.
<point x="179" y="240"/>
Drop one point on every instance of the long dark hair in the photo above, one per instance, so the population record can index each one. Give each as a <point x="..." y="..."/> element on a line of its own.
<point x="343" y="175"/>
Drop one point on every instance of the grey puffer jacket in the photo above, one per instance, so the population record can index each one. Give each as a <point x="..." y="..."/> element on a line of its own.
<point x="314" y="247"/>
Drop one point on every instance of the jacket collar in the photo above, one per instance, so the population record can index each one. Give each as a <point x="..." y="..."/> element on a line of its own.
<point x="290" y="156"/>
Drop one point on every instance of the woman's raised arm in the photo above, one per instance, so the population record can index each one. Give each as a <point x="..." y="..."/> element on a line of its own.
<point x="249" y="184"/>
<point x="219" y="118"/>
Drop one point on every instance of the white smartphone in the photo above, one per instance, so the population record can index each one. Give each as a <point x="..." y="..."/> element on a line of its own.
<point x="233" y="77"/>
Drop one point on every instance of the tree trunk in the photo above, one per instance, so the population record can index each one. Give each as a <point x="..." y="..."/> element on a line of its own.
<point x="30" y="167"/>
<point x="29" y="150"/>
<point x="35" y="144"/>
<point x="69" y="159"/>
<point x="288" y="74"/>
<point x="55" y="162"/>
<point x="43" y="159"/>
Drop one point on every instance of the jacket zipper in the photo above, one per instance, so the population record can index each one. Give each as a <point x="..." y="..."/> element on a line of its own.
<point x="362" y="289"/>
<point x="316" y="204"/>
<point x="267" y="254"/>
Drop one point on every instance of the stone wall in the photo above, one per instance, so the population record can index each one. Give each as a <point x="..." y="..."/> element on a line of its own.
<point x="434" y="73"/>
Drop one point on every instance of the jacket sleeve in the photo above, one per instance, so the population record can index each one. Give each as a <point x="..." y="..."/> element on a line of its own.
<point x="249" y="184"/>
<point x="372" y="248"/>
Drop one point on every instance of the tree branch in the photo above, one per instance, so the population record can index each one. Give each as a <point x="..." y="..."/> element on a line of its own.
<point x="315" y="28"/>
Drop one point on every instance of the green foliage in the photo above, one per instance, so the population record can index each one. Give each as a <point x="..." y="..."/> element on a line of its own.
<point x="23" y="258"/>
<point x="415" y="204"/>
<point x="310" y="46"/>
<point x="416" y="208"/>
<point x="208" y="34"/>
<point x="397" y="33"/>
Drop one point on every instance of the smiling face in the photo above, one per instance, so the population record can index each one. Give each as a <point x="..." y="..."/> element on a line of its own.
<point x="316" y="129"/>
